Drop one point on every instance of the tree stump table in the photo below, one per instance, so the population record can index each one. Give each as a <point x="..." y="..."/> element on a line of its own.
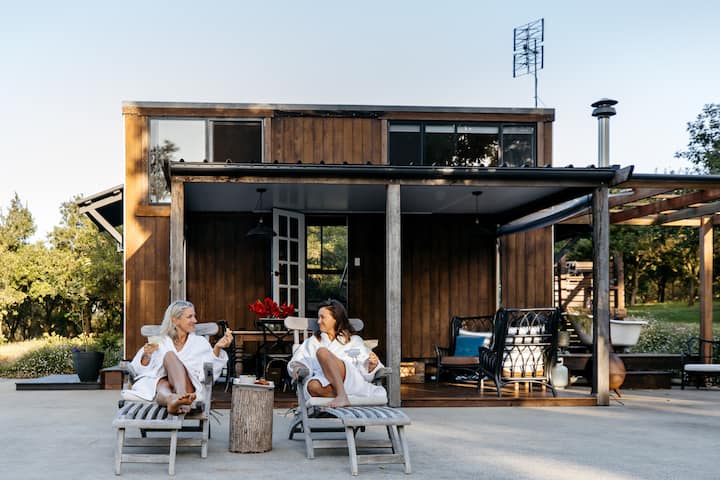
<point x="251" y="418"/>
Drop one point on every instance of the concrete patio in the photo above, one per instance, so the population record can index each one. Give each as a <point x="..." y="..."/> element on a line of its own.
<point x="656" y="434"/>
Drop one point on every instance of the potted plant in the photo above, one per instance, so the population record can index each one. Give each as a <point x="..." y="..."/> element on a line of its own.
<point x="268" y="308"/>
<point x="87" y="360"/>
<point x="87" y="363"/>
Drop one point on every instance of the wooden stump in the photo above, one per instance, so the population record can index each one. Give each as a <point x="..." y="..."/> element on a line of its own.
<point x="251" y="419"/>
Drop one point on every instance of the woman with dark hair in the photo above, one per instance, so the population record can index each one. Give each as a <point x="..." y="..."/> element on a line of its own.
<point x="170" y="367"/>
<point x="339" y="362"/>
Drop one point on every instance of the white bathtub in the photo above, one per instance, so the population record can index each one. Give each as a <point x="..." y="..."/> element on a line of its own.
<point x="625" y="333"/>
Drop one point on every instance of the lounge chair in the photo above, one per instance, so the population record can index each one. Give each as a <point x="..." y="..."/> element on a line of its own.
<point x="134" y="412"/>
<point x="313" y="417"/>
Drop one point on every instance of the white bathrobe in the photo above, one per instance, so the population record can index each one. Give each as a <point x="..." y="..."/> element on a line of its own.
<point x="354" y="354"/>
<point x="196" y="351"/>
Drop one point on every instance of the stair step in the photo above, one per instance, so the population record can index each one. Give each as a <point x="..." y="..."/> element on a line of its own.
<point x="647" y="379"/>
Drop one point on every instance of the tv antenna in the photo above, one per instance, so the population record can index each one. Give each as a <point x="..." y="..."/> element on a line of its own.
<point x="528" y="50"/>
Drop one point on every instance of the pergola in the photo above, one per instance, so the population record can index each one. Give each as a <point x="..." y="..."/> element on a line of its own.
<point x="671" y="201"/>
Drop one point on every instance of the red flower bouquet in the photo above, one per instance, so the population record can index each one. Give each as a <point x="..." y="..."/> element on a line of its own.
<point x="270" y="308"/>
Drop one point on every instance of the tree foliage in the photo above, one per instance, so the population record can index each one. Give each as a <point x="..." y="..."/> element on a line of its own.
<point x="703" y="149"/>
<point x="71" y="284"/>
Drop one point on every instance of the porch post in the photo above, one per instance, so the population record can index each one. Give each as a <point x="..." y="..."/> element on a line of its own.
<point x="177" y="241"/>
<point x="706" y="272"/>
<point x="601" y="296"/>
<point x="393" y="314"/>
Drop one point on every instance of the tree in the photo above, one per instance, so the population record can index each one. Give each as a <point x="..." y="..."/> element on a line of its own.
<point x="704" y="145"/>
<point x="17" y="226"/>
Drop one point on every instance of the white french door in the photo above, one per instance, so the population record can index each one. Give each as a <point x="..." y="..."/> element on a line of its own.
<point x="289" y="259"/>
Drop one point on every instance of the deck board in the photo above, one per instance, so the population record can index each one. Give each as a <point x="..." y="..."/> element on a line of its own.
<point x="454" y="395"/>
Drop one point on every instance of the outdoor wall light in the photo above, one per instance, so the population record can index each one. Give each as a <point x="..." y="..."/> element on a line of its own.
<point x="260" y="231"/>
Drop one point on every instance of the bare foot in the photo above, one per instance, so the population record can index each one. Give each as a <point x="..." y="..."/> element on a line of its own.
<point x="181" y="403"/>
<point x="339" y="401"/>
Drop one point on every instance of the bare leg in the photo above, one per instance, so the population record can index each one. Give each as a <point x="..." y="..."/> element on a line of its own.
<point x="175" y="391"/>
<point x="334" y="370"/>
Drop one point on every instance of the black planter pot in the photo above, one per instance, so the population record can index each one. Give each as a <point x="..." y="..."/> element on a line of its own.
<point x="88" y="365"/>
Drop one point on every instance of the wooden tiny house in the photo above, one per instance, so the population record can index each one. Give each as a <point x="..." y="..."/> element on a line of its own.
<point x="415" y="196"/>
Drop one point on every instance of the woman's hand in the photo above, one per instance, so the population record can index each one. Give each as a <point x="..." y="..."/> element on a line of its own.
<point x="148" y="350"/>
<point x="372" y="362"/>
<point x="224" y="342"/>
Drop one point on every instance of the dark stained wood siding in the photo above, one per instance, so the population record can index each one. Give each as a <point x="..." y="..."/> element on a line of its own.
<point x="327" y="140"/>
<point x="366" y="283"/>
<point x="526" y="269"/>
<point x="225" y="269"/>
<point x="448" y="269"/>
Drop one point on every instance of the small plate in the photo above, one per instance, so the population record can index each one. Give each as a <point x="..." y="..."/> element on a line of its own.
<point x="270" y="386"/>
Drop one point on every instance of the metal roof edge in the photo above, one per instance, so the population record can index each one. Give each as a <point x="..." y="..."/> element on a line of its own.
<point x="589" y="176"/>
<point x="338" y="107"/>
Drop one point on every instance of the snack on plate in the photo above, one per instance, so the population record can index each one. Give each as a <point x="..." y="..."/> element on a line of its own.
<point x="261" y="381"/>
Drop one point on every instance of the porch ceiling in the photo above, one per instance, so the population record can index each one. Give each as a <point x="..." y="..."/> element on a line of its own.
<point x="507" y="193"/>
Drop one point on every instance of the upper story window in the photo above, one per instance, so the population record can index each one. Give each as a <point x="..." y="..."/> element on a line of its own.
<point x="461" y="144"/>
<point x="198" y="140"/>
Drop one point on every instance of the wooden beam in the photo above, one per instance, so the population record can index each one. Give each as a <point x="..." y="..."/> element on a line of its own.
<point x="601" y="296"/>
<point x="106" y="225"/>
<point x="671" y="204"/>
<point x="177" y="241"/>
<point x="706" y="280"/>
<point x="651" y="220"/>
<point x="393" y="272"/>
<point x="638" y="194"/>
<point x="686" y="213"/>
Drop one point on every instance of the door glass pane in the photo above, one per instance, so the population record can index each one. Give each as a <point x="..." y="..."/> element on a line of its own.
<point x="313" y="246"/>
<point x="283" y="278"/>
<point x="294" y="274"/>
<point x="334" y="248"/>
<point x="282" y="250"/>
<point x="282" y="220"/>
<point x="283" y="296"/>
<point x="293" y="227"/>
<point x="294" y="297"/>
<point x="294" y="253"/>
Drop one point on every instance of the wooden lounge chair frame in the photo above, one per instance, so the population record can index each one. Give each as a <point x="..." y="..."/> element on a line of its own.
<point x="151" y="417"/>
<point x="312" y="417"/>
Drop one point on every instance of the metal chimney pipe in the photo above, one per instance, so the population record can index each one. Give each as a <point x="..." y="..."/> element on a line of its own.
<point x="603" y="110"/>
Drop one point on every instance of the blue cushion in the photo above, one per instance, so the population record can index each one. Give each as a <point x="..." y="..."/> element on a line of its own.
<point x="466" y="346"/>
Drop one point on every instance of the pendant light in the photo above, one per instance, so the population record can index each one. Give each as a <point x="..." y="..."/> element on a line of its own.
<point x="476" y="194"/>
<point x="260" y="231"/>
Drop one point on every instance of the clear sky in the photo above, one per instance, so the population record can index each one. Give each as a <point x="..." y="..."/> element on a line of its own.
<point x="67" y="66"/>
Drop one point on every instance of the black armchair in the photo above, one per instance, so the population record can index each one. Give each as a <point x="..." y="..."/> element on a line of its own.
<point x="524" y="348"/>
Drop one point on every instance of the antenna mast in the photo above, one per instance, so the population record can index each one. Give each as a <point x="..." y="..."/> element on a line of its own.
<point x="529" y="51"/>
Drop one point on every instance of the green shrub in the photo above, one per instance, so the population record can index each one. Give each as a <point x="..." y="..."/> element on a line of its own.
<point x="664" y="337"/>
<point x="49" y="359"/>
<point x="54" y="355"/>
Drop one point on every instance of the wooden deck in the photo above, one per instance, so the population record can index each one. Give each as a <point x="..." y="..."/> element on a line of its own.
<point x="454" y="395"/>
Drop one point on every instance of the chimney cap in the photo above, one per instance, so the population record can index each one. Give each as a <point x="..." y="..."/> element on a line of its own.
<point x="604" y="107"/>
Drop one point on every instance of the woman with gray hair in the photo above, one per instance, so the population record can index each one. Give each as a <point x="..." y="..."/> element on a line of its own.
<point x="170" y="368"/>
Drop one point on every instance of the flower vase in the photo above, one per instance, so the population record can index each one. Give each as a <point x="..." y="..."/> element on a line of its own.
<point x="87" y="365"/>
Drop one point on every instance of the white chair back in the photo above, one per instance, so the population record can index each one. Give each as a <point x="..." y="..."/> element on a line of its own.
<point x="204" y="329"/>
<point x="308" y="325"/>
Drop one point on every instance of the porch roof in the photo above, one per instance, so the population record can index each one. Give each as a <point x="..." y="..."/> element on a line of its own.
<point x="507" y="193"/>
